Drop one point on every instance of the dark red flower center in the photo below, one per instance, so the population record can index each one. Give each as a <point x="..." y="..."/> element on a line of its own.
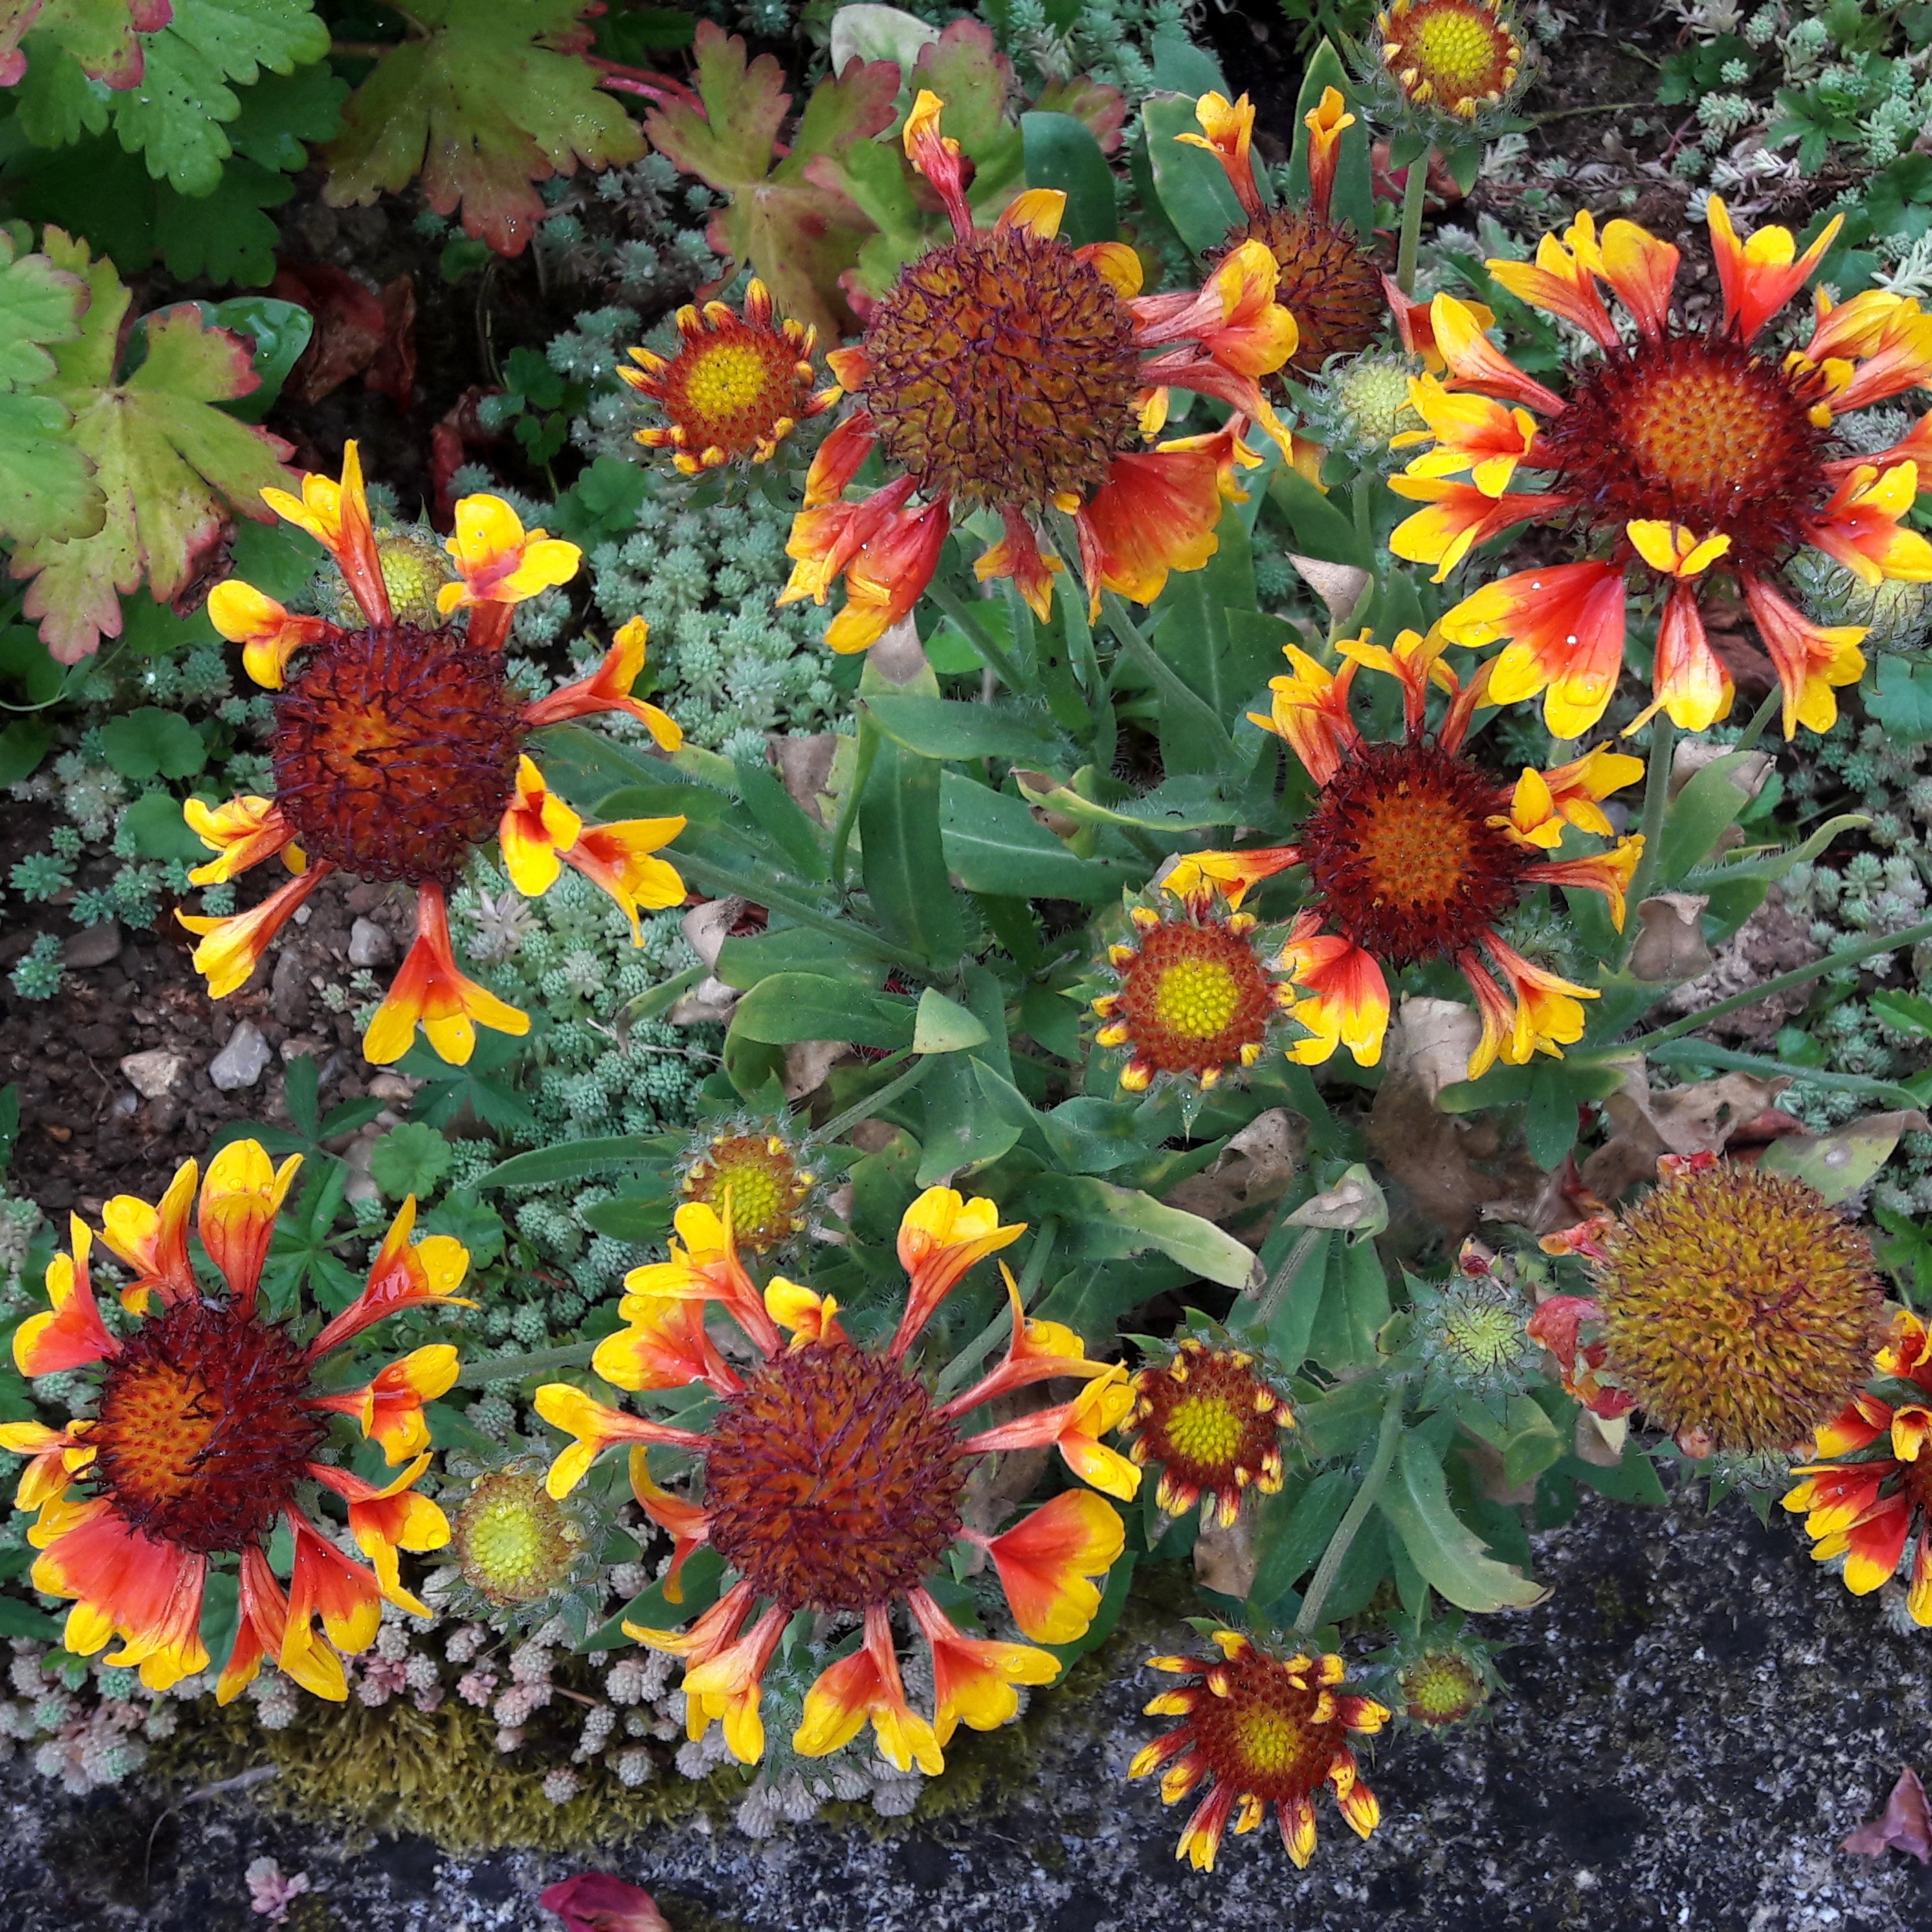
<point x="395" y="752"/>
<point x="201" y="1436"/>
<point x="1003" y="370"/>
<point x="831" y="1483"/>
<point x="1400" y="847"/>
<point x="1694" y="430"/>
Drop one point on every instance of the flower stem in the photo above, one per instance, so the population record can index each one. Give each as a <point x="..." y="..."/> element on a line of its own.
<point x="1414" y="187"/>
<point x="848" y="813"/>
<point x="1330" y="1568"/>
<point x="1760" y="718"/>
<point x="1662" y="755"/>
<point x="514" y="1368"/>
<point x="962" y="613"/>
<point x="1889" y="942"/>
<point x="860" y="1110"/>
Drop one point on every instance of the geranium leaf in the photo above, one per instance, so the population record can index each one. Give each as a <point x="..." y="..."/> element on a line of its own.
<point x="490" y="100"/>
<point x="45" y="488"/>
<point x="171" y="465"/>
<point x="102" y="36"/>
<point x="729" y="144"/>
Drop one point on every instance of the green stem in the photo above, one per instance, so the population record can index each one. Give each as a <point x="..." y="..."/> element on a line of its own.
<point x="1386" y="1442"/>
<point x="1414" y="187"/>
<point x="1278" y="1282"/>
<point x="848" y="813"/>
<point x="1890" y="942"/>
<point x="515" y="1368"/>
<point x="1174" y="689"/>
<point x="963" y="614"/>
<point x="1662" y="755"/>
<point x="976" y="1351"/>
<point x="1760" y="718"/>
<point x="861" y="1110"/>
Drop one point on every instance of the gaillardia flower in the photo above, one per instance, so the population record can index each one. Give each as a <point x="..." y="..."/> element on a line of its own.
<point x="833" y="1478"/>
<point x="1266" y="1730"/>
<point x="739" y="384"/>
<point x="1678" y="452"/>
<point x="1450" y="62"/>
<point x="1328" y="279"/>
<point x="212" y="1419"/>
<point x="398" y="749"/>
<point x="1875" y="1492"/>
<point x="1442" y="1688"/>
<point x="1008" y="371"/>
<point x="514" y="1543"/>
<point x="757" y="1181"/>
<point x="1194" y="998"/>
<point x="1212" y="1423"/>
<point x="1414" y="852"/>
<point x="1738" y="1308"/>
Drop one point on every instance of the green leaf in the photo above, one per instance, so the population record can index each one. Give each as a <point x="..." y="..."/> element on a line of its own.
<point x="280" y="331"/>
<point x="1910" y="1012"/>
<point x="1193" y="188"/>
<point x="1415" y="1501"/>
<point x="151" y="742"/>
<point x="409" y="1159"/>
<point x="1838" y="1164"/>
<point x="23" y="744"/>
<point x="1180" y="64"/>
<point x="789" y="1007"/>
<point x="46" y="486"/>
<point x="1292" y="1530"/>
<point x="637" y="1214"/>
<point x="992" y="843"/>
<point x="903" y="861"/>
<point x="941" y="727"/>
<point x="570" y="1160"/>
<point x="941" y="1026"/>
<point x="171" y="465"/>
<point x="39" y="304"/>
<point x="484" y="109"/>
<point x="1061" y="153"/>
<point x="1123" y="1221"/>
<point x="225" y="235"/>
<point x="962" y="1128"/>
<point x="1699" y="815"/>
<point x="1902" y="701"/>
<point x="155" y="823"/>
<point x="283" y="110"/>
<point x="23" y="1619"/>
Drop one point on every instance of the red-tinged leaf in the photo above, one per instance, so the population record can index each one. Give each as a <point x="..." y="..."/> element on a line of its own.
<point x="1102" y="110"/>
<point x="358" y="332"/>
<point x="596" y="1902"/>
<point x="729" y="144"/>
<point x="1905" y="1826"/>
<point x="100" y="34"/>
<point x="171" y="466"/>
<point x="490" y="100"/>
<point x="974" y="79"/>
<point x="862" y="102"/>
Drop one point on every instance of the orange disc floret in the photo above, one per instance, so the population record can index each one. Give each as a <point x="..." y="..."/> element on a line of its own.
<point x="1212" y="1423"/>
<point x="397" y="752"/>
<point x="1455" y="57"/>
<point x="211" y="1431"/>
<point x="1260" y="1730"/>
<point x="740" y="382"/>
<point x="1195" y="1000"/>
<point x="832" y="1480"/>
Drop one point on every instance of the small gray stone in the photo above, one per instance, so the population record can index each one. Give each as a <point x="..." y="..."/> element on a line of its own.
<point x="240" y="1063"/>
<point x="288" y="989"/>
<point x="93" y="945"/>
<point x="369" y="945"/>
<point x="155" y="1072"/>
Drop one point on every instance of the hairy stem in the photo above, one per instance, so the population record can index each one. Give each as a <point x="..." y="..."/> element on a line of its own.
<point x="1330" y="1568"/>
<point x="1414" y="187"/>
<point x="514" y="1368"/>
<point x="1662" y="756"/>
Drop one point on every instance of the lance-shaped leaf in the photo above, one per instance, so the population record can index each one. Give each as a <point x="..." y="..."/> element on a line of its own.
<point x="47" y="486"/>
<point x="1450" y="1555"/>
<point x="491" y="99"/>
<point x="170" y="465"/>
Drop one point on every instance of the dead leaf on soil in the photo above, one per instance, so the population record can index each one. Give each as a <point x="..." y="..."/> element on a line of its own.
<point x="1701" y="1118"/>
<point x="1225" y="1560"/>
<point x="1671" y="945"/>
<point x="1253" y="1169"/>
<point x="1905" y="1826"/>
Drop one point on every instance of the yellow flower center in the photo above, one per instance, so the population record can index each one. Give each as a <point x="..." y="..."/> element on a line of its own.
<point x="513" y="1543"/>
<point x="759" y="1177"/>
<point x="1457" y="54"/>
<point x="1196" y="998"/>
<point x="1441" y="1688"/>
<point x="1457" y="47"/>
<point x="1206" y="1428"/>
<point x="726" y="376"/>
<point x="757" y="1200"/>
<point x="1486" y="1337"/>
<point x="1269" y="1739"/>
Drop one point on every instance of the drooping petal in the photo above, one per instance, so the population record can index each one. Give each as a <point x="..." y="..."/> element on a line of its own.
<point x="231" y="948"/>
<point x="973" y="1678"/>
<point x="153" y="1241"/>
<point x="941" y="1235"/>
<point x="686" y="1523"/>
<point x="1610" y="873"/>
<point x="937" y="156"/>
<point x="608" y="688"/>
<point x="729" y="1684"/>
<point x="404" y="1274"/>
<point x="537" y="825"/>
<point x="596" y="1429"/>
<point x="1565" y="624"/>
<point x="390" y="1407"/>
<point x="388" y="1520"/>
<point x="269" y="635"/>
<point x="1017" y="555"/>
<point x="70" y="1334"/>
<point x="242" y="833"/>
<point x="1045" y="1560"/>
<point x="1326" y="122"/>
<point x="1459" y="517"/>
<point x="1310" y="709"/>
<point x="619" y="858"/>
<point x="1476" y="363"/>
<point x="429" y="991"/>
<point x="1155" y="513"/>
<point x="54" y="1457"/>
<point x="1342" y="997"/>
<point x="1860" y="526"/>
<point x="663" y="1345"/>
<point x="146" y="1591"/>
<point x="1810" y="657"/>
<point x="1688" y="678"/>
<point x="867" y="1685"/>
<point x="326" y="1584"/>
<point x="1200" y="875"/>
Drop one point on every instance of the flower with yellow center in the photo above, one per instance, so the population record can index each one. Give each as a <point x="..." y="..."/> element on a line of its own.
<point x="1414" y="852"/>
<point x="739" y="384"/>
<point x="1260" y="1730"/>
<point x="514" y="1543"/>
<point x="397" y="750"/>
<point x="1678" y="456"/>
<point x="834" y="1479"/>
<point x="1212" y="1423"/>
<point x="210" y="1427"/>
<point x="758" y="1181"/>
<point x="1006" y="371"/>
<point x="1450" y="62"/>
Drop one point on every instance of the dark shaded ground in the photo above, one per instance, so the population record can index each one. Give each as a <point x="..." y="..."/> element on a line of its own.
<point x="1700" y="1717"/>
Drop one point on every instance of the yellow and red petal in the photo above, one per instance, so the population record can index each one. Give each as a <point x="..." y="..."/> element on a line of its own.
<point x="1157" y="512"/>
<point x="664" y="1345"/>
<point x="336" y="515"/>
<point x="404" y="1274"/>
<point x="537" y="825"/>
<point x="1199" y="875"/>
<point x="729" y="1684"/>
<point x="1643" y="271"/>
<point x="686" y="1523"/>
<point x="937" y="156"/>
<point x="1044" y="1562"/>
<point x="232" y="948"/>
<point x="1202" y="1838"/>
<point x="70" y="1334"/>
<point x="596" y="1428"/>
<point x="261" y="1623"/>
<point x="1688" y="678"/>
<point x="146" y="1591"/>
<point x="1017" y="555"/>
<point x="429" y="992"/>
<point x="1810" y="657"/>
<point x="1760" y="275"/>
<point x="619" y="858"/>
<point x="153" y="1241"/>
<point x="497" y="561"/>
<point x="867" y="1685"/>
<point x="1565" y="626"/>
<point x="608" y="688"/>
<point x="388" y="1520"/>
<point x="1563" y="280"/>
<point x="973" y="1678"/>
<point x="269" y="634"/>
<point x="1860" y="527"/>
<point x="941" y="1235"/>
<point x="1610" y="873"/>
<point x="242" y="833"/>
<point x="390" y="1407"/>
<point x="240" y="1198"/>
<point x="1227" y="132"/>
<point x="1476" y="363"/>
<point x="1459" y="517"/>
<point x="1343" y="998"/>
<point x="327" y="1584"/>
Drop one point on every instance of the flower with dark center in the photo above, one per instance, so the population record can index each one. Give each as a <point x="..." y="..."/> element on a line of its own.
<point x="1450" y="62"/>
<point x="758" y="1181"/>
<point x="1738" y="1308"/>
<point x="1674" y="452"/>
<point x="1212" y="1423"/>
<point x="1009" y="371"/>
<point x="739" y="384"/>
<point x="1263" y="1730"/>
<point x="398" y="751"/>
<point x="1328" y="278"/>
<point x="212" y="1418"/>
<point x="1414" y="852"/>
<point x="1194" y="999"/>
<point x="1869" y="1496"/>
<point x="833" y="1483"/>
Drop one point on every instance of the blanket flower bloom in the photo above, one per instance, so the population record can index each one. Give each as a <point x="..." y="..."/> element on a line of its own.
<point x="1450" y="62"/>
<point x="1212" y="1421"/>
<point x="740" y="383"/>
<point x="1414" y="852"/>
<point x="1194" y="998"/>
<point x="756" y="1180"/>
<point x="1677" y="453"/>
<point x="398" y="749"/>
<point x="1870" y="1494"/>
<point x="833" y="1479"/>
<point x="1328" y="279"/>
<point x="1264" y="1730"/>
<point x="1737" y="1308"/>
<point x="212" y="1416"/>
<point x="1009" y="371"/>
